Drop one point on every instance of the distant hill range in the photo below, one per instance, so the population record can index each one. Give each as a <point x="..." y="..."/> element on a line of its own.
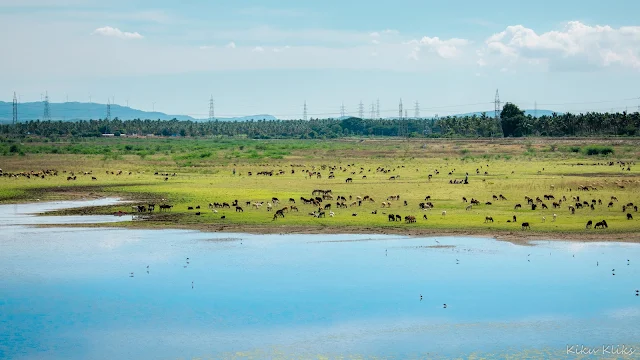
<point x="72" y="111"/>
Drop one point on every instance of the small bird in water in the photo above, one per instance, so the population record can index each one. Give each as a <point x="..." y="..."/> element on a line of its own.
<point x="192" y="284"/>
<point x="420" y="297"/>
<point x="131" y="275"/>
<point x="445" y="306"/>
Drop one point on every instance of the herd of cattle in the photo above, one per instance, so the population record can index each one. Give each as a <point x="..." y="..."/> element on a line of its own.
<point x="324" y="200"/>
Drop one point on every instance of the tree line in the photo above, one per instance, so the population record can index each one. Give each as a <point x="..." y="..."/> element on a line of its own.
<point x="511" y="122"/>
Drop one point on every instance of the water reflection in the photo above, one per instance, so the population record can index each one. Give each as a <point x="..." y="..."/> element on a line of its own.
<point x="68" y="294"/>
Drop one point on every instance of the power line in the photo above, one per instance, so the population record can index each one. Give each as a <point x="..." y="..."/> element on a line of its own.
<point x="15" y="108"/>
<point x="498" y="108"/>
<point x="304" y="115"/>
<point x="46" y="116"/>
<point x="212" y="112"/>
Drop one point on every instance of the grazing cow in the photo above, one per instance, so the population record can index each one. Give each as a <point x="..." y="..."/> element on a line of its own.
<point x="348" y="180"/>
<point x="533" y="206"/>
<point x="269" y="207"/>
<point x="572" y="209"/>
<point x="94" y="178"/>
<point x="292" y="200"/>
<point x="629" y="217"/>
<point x="589" y="223"/>
<point x="239" y="209"/>
<point x="525" y="225"/>
<point x="392" y="217"/>
<point x="544" y="206"/>
<point x="488" y="219"/>
<point x="515" y="219"/>
<point x="398" y="218"/>
<point x="354" y="214"/>
<point x="464" y="199"/>
<point x="424" y="216"/>
<point x="293" y="208"/>
<point x="468" y="207"/>
<point x="332" y="214"/>
<point x="198" y="207"/>
<point x="554" y="218"/>
<point x="444" y="213"/>
<point x="164" y="207"/>
<point x="223" y="217"/>
<point x="327" y="206"/>
<point x="635" y="208"/>
<point x="610" y="204"/>
<point x="601" y="225"/>
<point x="190" y="208"/>
<point x="518" y="206"/>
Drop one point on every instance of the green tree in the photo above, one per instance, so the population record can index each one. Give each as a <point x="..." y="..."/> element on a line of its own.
<point x="513" y="120"/>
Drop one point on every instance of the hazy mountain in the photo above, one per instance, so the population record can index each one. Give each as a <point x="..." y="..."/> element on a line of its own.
<point x="71" y="111"/>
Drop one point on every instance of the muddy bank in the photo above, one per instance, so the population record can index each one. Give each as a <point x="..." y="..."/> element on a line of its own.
<point x="515" y="237"/>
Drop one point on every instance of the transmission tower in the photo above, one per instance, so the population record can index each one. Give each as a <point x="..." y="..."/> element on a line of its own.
<point x="400" y="110"/>
<point x="373" y="111"/>
<point x="46" y="116"/>
<point x="416" y="113"/>
<point x="406" y="114"/>
<point x="212" y="112"/>
<point x="304" y="114"/>
<point x="498" y="109"/>
<point x="378" y="109"/>
<point x="342" y="110"/>
<point x="15" y="109"/>
<point x="361" y="110"/>
<point x="108" y="110"/>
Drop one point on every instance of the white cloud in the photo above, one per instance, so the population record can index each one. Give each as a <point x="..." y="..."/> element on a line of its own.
<point x="375" y="34"/>
<point x="446" y="49"/>
<point x="231" y="45"/>
<point x="413" y="55"/>
<point x="258" y="49"/>
<point x="577" y="43"/>
<point x="115" y="32"/>
<point x="375" y="42"/>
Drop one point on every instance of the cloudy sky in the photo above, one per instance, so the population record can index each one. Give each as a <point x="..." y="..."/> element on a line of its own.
<point x="267" y="56"/>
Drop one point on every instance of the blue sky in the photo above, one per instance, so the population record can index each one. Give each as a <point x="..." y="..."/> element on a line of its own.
<point x="270" y="56"/>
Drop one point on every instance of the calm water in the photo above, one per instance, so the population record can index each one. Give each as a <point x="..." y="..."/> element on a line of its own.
<point x="68" y="294"/>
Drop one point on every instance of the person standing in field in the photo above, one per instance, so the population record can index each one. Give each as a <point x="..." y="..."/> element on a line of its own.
<point x="466" y="178"/>
<point x="234" y="171"/>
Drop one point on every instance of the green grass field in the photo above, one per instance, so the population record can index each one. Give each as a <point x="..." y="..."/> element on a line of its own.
<point x="204" y="174"/>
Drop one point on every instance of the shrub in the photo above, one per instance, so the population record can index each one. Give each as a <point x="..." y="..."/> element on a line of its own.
<point x="598" y="150"/>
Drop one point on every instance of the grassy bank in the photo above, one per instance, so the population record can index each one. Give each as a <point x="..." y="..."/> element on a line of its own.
<point x="204" y="174"/>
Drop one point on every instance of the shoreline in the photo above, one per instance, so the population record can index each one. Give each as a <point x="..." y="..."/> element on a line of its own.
<point x="515" y="237"/>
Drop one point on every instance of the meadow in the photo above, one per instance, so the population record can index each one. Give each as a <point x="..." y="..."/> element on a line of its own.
<point x="204" y="173"/>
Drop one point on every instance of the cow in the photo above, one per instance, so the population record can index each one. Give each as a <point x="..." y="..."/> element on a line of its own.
<point x="392" y="217"/>
<point x="198" y="213"/>
<point x="518" y="206"/>
<point x="165" y="207"/>
<point x="398" y="218"/>
<point x="488" y="219"/>
<point x="348" y="180"/>
<point x="94" y="178"/>
<point x="424" y="216"/>
<point x="525" y="225"/>
<point x="189" y="207"/>
<point x="629" y="217"/>
<point x="239" y="209"/>
<point x="589" y="223"/>
<point x="444" y="213"/>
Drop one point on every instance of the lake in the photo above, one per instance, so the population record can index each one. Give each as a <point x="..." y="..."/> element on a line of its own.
<point x="108" y="293"/>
